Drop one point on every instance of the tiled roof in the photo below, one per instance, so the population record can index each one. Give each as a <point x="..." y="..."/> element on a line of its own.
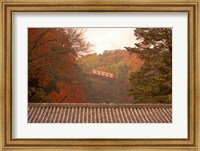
<point x="99" y="113"/>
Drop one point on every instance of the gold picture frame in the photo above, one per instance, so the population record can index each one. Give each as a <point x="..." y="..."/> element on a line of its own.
<point x="8" y="7"/>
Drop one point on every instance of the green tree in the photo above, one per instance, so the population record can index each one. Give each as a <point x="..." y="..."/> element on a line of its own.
<point x="153" y="82"/>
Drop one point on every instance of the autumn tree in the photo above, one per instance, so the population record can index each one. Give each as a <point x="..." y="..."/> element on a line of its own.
<point x="153" y="82"/>
<point x="52" y="54"/>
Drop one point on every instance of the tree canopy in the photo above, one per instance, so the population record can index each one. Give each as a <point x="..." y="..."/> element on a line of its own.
<point x="60" y="68"/>
<point x="153" y="82"/>
<point x="52" y="68"/>
<point x="118" y="62"/>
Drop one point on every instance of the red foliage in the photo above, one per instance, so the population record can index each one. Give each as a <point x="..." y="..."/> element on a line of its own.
<point x="68" y="94"/>
<point x="118" y="56"/>
<point x="135" y="63"/>
<point x="51" y="56"/>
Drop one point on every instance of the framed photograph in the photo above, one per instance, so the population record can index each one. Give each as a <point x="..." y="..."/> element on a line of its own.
<point x="103" y="75"/>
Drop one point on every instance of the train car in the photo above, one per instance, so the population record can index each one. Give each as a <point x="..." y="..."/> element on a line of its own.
<point x="102" y="73"/>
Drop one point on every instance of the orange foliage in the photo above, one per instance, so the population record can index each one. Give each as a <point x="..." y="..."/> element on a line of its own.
<point x="41" y="56"/>
<point x="67" y="94"/>
<point x="135" y="63"/>
<point x="51" y="56"/>
<point x="118" y="56"/>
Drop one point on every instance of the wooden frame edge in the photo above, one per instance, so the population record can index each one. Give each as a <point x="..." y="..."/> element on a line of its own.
<point x="1" y="79"/>
<point x="9" y="143"/>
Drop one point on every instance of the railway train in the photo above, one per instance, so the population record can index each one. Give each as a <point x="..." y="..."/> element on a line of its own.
<point x="102" y="73"/>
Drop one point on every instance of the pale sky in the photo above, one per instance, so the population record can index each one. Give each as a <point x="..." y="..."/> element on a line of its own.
<point x="110" y="38"/>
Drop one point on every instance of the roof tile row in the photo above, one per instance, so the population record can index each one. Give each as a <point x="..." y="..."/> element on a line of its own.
<point x="98" y="113"/>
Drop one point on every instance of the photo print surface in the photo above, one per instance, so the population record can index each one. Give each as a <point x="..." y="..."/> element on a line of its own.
<point x="99" y="75"/>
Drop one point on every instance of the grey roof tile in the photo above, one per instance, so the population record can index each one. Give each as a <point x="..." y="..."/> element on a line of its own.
<point x="99" y="113"/>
